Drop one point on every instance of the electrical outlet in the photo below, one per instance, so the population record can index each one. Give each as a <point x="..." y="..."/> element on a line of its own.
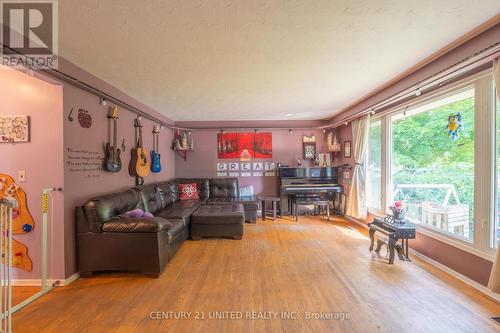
<point x="21" y="176"/>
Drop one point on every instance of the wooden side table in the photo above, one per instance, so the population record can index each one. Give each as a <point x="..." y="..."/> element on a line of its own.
<point x="263" y="199"/>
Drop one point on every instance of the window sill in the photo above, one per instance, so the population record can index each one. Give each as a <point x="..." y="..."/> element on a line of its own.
<point x="447" y="239"/>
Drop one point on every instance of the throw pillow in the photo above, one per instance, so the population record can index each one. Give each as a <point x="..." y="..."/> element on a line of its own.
<point x="188" y="191"/>
<point x="134" y="213"/>
<point x="148" y="215"/>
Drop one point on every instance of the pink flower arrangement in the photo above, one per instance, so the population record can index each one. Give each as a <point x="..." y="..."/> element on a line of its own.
<point x="399" y="205"/>
<point x="398" y="210"/>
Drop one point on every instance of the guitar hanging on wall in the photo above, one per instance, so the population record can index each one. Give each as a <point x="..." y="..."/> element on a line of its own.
<point x="139" y="163"/>
<point x="112" y="161"/>
<point x="155" y="155"/>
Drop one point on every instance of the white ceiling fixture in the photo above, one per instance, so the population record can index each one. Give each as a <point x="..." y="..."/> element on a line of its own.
<point x="257" y="60"/>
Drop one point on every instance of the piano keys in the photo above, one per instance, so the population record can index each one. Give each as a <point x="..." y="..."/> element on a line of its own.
<point x="315" y="182"/>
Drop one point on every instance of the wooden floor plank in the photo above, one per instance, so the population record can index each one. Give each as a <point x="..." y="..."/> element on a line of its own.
<point x="282" y="266"/>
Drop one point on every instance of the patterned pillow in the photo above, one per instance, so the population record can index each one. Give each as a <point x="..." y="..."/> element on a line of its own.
<point x="188" y="191"/>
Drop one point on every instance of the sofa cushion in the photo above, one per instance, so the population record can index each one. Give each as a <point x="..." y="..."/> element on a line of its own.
<point x="176" y="229"/>
<point x="152" y="198"/>
<point x="219" y="214"/>
<point x="202" y="184"/>
<point x="224" y="187"/>
<point x="136" y="225"/>
<point x="188" y="191"/>
<point x="101" y="209"/>
<point x="168" y="193"/>
<point x="180" y="210"/>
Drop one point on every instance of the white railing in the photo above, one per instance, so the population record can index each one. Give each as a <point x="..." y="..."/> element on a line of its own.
<point x="6" y="207"/>
<point x="449" y="188"/>
<point x="453" y="218"/>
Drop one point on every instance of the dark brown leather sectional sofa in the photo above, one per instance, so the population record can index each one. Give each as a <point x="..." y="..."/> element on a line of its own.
<point x="107" y="241"/>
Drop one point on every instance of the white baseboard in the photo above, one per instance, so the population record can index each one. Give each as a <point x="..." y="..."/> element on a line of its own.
<point x="38" y="282"/>
<point x="444" y="268"/>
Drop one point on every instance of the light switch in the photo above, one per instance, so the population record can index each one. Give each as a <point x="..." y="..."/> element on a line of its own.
<point x="21" y="176"/>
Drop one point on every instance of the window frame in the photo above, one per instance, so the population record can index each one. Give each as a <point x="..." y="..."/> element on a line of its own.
<point x="484" y="163"/>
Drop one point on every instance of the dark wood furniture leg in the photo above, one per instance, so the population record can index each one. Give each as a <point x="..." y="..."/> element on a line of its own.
<point x="391" y="244"/>
<point x="372" y="238"/>
<point x="379" y="245"/>
<point x="407" y="254"/>
<point x="263" y="210"/>
<point x="296" y="209"/>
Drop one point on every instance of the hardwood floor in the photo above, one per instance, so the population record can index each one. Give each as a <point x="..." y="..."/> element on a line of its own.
<point x="22" y="293"/>
<point x="285" y="267"/>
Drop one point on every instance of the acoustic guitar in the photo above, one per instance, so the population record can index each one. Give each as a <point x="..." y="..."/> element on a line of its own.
<point x="155" y="155"/>
<point x="112" y="161"/>
<point x="139" y="163"/>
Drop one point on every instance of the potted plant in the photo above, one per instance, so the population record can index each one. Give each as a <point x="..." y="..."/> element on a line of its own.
<point x="398" y="210"/>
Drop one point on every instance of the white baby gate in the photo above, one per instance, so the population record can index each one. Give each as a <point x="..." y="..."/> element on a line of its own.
<point x="6" y="207"/>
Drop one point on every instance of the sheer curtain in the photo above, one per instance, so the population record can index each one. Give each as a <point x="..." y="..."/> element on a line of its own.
<point x="356" y="203"/>
<point x="494" y="283"/>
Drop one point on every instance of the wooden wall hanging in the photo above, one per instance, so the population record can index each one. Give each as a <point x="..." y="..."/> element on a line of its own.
<point x="22" y="221"/>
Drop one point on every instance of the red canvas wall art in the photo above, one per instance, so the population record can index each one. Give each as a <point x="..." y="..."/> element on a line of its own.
<point x="227" y="145"/>
<point x="245" y="145"/>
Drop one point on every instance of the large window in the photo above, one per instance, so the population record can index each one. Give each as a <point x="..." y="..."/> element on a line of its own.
<point x="449" y="183"/>
<point x="433" y="170"/>
<point x="374" y="166"/>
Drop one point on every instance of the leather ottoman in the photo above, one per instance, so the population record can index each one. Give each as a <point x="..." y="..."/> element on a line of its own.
<point x="223" y="220"/>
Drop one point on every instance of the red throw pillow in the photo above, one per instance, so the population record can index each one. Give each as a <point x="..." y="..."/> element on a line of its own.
<point x="188" y="191"/>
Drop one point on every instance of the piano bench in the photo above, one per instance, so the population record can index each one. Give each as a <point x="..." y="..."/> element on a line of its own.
<point x="385" y="241"/>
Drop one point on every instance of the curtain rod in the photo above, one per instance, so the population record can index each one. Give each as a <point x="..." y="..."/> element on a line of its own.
<point x="436" y="80"/>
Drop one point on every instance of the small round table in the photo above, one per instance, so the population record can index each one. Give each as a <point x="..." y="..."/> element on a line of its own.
<point x="274" y="200"/>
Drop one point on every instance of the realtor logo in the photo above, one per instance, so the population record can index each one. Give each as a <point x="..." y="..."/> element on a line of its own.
<point x="29" y="35"/>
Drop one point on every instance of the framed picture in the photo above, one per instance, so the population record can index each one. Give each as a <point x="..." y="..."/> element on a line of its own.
<point x="309" y="150"/>
<point x="14" y="129"/>
<point x="347" y="149"/>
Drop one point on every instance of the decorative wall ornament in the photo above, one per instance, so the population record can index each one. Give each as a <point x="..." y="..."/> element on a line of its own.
<point x="309" y="145"/>
<point x="245" y="145"/>
<point x="70" y="116"/>
<point x="22" y="221"/>
<point x="221" y="166"/>
<point x="84" y="118"/>
<point x="455" y="126"/>
<point x="332" y="141"/>
<point x="347" y="149"/>
<point x="182" y="144"/>
<point x="14" y="129"/>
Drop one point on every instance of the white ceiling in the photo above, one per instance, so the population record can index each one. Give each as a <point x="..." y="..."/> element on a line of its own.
<point x="257" y="60"/>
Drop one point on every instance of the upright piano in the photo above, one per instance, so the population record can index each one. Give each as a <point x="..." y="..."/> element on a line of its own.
<point x="322" y="182"/>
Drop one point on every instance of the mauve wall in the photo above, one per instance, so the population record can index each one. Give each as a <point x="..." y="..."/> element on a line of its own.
<point x="81" y="186"/>
<point x="41" y="158"/>
<point x="202" y="162"/>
